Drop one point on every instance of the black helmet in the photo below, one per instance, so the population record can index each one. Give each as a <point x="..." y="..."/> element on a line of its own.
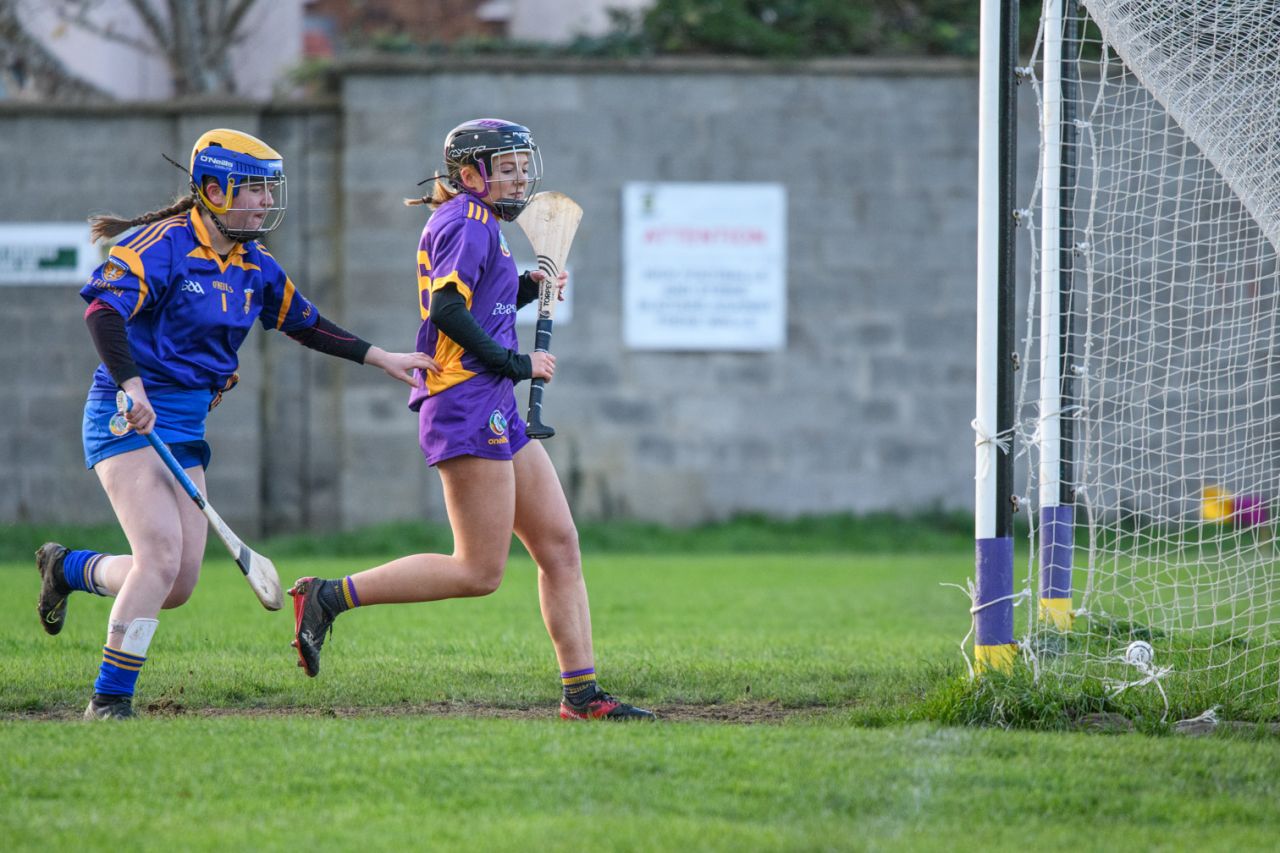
<point x="475" y="143"/>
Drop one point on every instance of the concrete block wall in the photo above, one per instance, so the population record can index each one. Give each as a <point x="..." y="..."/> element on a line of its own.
<point x="869" y="404"/>
<point x="867" y="407"/>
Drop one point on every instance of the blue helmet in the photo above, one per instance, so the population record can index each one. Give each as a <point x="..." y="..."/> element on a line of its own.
<point x="478" y="142"/>
<point x="235" y="160"/>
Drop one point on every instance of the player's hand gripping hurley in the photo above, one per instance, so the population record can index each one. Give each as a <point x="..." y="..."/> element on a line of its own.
<point x="258" y="570"/>
<point x="549" y="220"/>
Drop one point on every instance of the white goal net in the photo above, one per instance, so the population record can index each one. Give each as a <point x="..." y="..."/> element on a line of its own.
<point x="1170" y="372"/>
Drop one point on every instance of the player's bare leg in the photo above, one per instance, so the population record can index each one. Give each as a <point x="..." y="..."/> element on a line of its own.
<point x="545" y="525"/>
<point x="162" y="570"/>
<point x="479" y="496"/>
<point x="135" y="482"/>
<point x="105" y="574"/>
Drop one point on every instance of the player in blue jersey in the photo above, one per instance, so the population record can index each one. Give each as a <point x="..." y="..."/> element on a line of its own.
<point x="167" y="312"/>
<point x="496" y="481"/>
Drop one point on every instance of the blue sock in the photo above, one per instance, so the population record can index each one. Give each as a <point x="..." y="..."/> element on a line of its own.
<point x="119" y="672"/>
<point x="79" y="567"/>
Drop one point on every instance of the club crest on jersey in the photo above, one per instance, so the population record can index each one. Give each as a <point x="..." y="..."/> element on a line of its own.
<point x="112" y="271"/>
<point x="497" y="423"/>
<point x="502" y="244"/>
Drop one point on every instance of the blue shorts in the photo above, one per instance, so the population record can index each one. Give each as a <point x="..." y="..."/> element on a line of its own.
<point x="473" y="418"/>
<point x="180" y="417"/>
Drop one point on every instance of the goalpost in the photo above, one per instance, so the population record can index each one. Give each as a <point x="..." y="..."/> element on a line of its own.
<point x="1148" y="402"/>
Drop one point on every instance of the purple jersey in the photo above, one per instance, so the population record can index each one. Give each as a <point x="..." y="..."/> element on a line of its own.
<point x="463" y="246"/>
<point x="187" y="310"/>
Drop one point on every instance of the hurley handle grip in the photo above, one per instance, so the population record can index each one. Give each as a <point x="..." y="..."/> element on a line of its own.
<point x="535" y="428"/>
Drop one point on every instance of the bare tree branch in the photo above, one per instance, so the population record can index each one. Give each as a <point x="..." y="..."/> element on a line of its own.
<point x="33" y="70"/>
<point x="193" y="37"/>
<point x="210" y="12"/>
<point x="80" y="18"/>
<point x="232" y="26"/>
<point x="151" y="21"/>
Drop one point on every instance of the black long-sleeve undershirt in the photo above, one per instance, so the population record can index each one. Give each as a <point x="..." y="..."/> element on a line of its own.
<point x="450" y="314"/>
<point x="110" y="339"/>
<point x="331" y="339"/>
<point x="528" y="290"/>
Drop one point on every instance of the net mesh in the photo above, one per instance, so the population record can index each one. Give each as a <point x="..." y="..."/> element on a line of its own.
<point x="1173" y="366"/>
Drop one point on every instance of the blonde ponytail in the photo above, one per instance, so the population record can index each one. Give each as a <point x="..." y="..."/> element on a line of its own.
<point x="440" y="193"/>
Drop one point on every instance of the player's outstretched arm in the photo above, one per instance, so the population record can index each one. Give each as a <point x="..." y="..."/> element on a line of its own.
<point x="402" y="365"/>
<point x="331" y="339"/>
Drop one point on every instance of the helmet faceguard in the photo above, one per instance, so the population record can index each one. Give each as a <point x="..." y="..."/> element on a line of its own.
<point x="250" y="175"/>
<point x="495" y="149"/>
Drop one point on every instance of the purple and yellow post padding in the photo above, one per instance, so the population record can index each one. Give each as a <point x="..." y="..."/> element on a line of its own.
<point x="1057" y="535"/>
<point x="994" y="647"/>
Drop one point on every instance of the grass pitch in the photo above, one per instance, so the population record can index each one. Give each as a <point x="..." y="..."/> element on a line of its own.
<point x="797" y="692"/>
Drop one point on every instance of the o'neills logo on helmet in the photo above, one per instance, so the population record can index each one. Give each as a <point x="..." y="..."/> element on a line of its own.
<point x="216" y="161"/>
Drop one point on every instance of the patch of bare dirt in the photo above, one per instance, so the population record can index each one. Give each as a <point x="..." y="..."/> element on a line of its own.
<point x="738" y="713"/>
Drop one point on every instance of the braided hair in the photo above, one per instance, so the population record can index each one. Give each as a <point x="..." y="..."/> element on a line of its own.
<point x="105" y="225"/>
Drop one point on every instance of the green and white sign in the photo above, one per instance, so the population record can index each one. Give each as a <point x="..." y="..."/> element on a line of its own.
<point x="36" y="253"/>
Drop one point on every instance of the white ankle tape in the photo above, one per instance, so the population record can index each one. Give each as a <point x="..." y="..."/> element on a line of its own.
<point x="138" y="636"/>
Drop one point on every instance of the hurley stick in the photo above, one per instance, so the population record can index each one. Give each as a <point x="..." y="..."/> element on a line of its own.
<point x="549" y="220"/>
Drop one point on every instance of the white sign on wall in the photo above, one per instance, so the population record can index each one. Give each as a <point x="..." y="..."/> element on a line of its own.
<point x="704" y="266"/>
<point x="46" y="253"/>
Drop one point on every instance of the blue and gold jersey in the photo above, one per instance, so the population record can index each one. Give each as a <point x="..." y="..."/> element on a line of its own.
<point x="186" y="309"/>
<point x="463" y="246"/>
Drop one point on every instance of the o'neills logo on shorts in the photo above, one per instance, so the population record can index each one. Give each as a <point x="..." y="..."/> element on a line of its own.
<point x="498" y="426"/>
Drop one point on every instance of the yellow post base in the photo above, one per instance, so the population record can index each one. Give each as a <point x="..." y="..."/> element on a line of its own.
<point x="999" y="658"/>
<point x="1057" y="612"/>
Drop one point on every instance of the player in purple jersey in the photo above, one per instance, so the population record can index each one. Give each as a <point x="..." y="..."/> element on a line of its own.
<point x="496" y="481"/>
<point x="167" y="312"/>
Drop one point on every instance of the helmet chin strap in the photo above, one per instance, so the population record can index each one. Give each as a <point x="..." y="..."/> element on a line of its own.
<point x="484" y="177"/>
<point x="234" y="236"/>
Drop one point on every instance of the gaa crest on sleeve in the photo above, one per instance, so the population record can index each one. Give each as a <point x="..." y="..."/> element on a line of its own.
<point x="111" y="271"/>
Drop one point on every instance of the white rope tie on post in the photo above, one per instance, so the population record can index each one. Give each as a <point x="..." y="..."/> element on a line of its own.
<point x="971" y="590"/>
<point x="985" y="438"/>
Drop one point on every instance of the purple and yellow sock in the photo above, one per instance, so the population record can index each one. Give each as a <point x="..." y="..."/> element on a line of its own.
<point x="338" y="596"/>
<point x="79" y="568"/>
<point x="118" y="673"/>
<point x="579" y="685"/>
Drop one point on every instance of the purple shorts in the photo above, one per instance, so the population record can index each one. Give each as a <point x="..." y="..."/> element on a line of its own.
<point x="473" y="418"/>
